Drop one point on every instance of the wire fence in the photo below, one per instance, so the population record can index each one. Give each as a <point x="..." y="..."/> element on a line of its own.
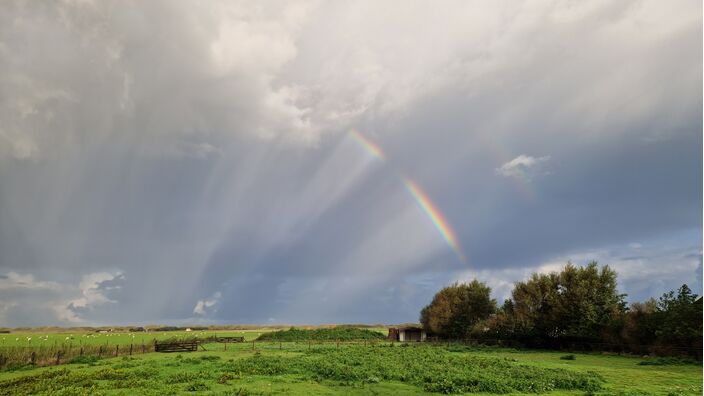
<point x="13" y="356"/>
<point x="20" y="356"/>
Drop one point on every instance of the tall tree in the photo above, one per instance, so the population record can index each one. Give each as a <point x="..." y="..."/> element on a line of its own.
<point x="680" y="316"/>
<point x="456" y="309"/>
<point x="577" y="302"/>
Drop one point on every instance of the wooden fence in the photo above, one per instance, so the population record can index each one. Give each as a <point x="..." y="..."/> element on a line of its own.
<point x="178" y="346"/>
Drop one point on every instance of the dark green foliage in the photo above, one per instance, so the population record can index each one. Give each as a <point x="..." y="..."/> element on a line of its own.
<point x="456" y="309"/>
<point x="668" y="361"/>
<point x="197" y="386"/>
<point x="568" y="357"/>
<point x="671" y="325"/>
<point x="576" y="303"/>
<point x="680" y="316"/>
<point x="337" y="333"/>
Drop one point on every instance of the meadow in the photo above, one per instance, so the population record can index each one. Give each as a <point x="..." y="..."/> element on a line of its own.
<point x="46" y="339"/>
<point x="361" y="367"/>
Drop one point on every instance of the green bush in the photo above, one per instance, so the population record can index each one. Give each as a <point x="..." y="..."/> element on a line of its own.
<point x="568" y="357"/>
<point x="334" y="334"/>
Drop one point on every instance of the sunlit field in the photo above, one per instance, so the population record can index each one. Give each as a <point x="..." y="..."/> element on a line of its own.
<point x="357" y="368"/>
<point x="46" y="339"/>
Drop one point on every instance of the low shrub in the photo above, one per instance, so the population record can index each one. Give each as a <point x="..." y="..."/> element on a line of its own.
<point x="568" y="357"/>
<point x="334" y="334"/>
<point x="197" y="386"/>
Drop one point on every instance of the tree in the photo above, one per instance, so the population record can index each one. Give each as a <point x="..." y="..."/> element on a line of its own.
<point x="679" y="317"/>
<point x="577" y="302"/>
<point x="640" y="325"/>
<point x="457" y="308"/>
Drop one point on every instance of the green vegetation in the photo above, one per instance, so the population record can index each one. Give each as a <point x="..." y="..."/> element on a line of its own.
<point x="433" y="370"/>
<point x="456" y="309"/>
<point x="354" y="368"/>
<point x="341" y="333"/>
<point x="668" y="361"/>
<point x="576" y="307"/>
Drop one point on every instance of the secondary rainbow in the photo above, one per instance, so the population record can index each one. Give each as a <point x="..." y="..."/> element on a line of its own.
<point x="368" y="145"/>
<point x="425" y="203"/>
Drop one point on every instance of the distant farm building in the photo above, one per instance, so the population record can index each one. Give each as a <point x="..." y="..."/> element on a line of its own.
<point x="407" y="334"/>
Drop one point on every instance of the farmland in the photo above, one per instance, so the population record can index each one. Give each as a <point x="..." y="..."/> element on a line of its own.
<point x="360" y="367"/>
<point x="45" y="339"/>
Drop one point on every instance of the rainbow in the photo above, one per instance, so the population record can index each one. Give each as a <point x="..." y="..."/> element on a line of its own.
<point x="436" y="217"/>
<point x="368" y="145"/>
<point x="430" y="209"/>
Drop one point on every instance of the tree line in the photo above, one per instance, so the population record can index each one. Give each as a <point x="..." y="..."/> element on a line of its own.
<point x="577" y="307"/>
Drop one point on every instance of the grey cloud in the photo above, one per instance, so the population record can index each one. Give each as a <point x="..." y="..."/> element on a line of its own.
<point x="207" y="144"/>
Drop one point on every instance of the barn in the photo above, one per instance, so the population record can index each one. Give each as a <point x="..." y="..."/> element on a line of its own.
<point x="407" y="334"/>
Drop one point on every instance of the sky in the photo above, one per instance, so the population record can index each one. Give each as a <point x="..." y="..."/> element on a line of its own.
<point x="339" y="162"/>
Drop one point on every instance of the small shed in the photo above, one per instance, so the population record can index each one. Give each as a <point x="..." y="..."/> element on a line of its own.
<point x="407" y="334"/>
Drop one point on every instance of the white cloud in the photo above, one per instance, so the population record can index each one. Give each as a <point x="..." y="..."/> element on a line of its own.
<point x="14" y="280"/>
<point x="301" y="70"/>
<point x="34" y="300"/>
<point x="208" y="305"/>
<point x="93" y="289"/>
<point x="523" y="166"/>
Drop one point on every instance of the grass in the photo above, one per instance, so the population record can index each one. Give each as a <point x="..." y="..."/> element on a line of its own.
<point x="46" y="339"/>
<point x="325" y="369"/>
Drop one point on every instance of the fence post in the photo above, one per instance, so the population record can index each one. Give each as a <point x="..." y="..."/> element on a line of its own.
<point x="100" y="351"/>
<point x="58" y="358"/>
<point x="33" y="358"/>
<point x="117" y="350"/>
<point x="338" y="344"/>
<point x="252" y="344"/>
<point x="225" y="342"/>
<point x="81" y="350"/>
<point x="130" y="349"/>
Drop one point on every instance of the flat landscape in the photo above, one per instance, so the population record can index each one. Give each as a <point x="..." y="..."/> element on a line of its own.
<point x="393" y="197"/>
<point x="348" y="367"/>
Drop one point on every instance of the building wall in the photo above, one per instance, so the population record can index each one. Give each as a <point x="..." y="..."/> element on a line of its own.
<point x="402" y="335"/>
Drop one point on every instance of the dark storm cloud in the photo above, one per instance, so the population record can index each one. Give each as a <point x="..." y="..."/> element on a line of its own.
<point x="166" y="162"/>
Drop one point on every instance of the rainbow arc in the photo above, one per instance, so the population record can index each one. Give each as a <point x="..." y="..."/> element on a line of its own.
<point x="426" y="204"/>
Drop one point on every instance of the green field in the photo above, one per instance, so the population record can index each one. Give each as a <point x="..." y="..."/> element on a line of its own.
<point x="355" y="368"/>
<point x="45" y="339"/>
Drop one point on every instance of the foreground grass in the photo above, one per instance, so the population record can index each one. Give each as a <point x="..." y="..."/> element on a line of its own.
<point x="292" y="368"/>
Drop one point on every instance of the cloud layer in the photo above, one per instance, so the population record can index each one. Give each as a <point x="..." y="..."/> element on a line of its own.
<point x="172" y="162"/>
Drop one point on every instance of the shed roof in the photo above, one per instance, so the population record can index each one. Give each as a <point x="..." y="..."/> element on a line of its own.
<point x="410" y="327"/>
